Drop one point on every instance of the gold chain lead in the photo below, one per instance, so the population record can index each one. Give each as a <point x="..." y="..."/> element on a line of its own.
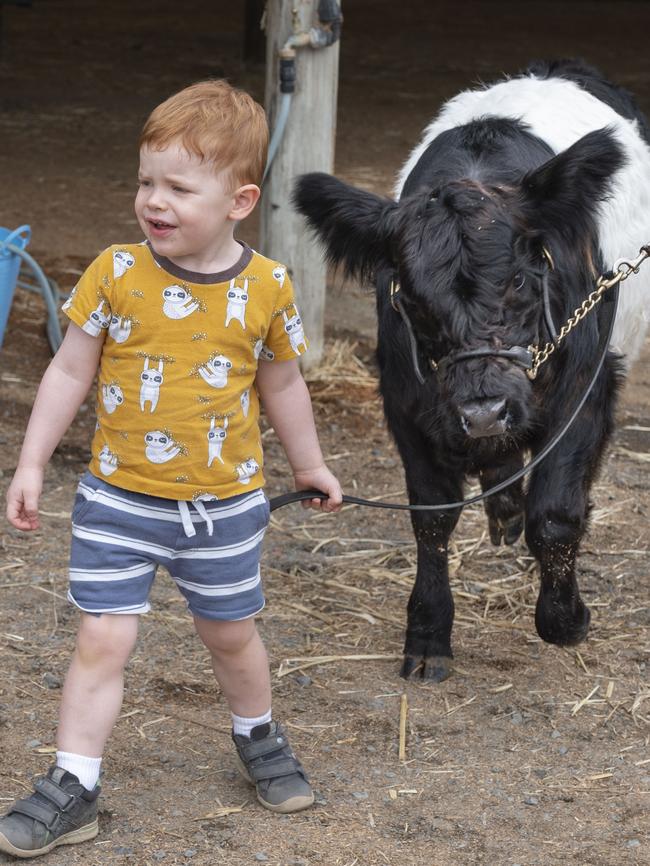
<point x="623" y="269"/>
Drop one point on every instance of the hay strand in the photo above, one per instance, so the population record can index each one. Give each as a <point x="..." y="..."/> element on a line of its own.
<point x="403" y="714"/>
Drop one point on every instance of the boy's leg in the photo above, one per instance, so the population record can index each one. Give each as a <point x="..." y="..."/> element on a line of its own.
<point x="63" y="808"/>
<point x="239" y="662"/>
<point x="241" y="667"/>
<point x="93" y="689"/>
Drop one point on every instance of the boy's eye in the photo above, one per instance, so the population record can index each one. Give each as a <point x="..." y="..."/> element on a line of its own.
<point x="179" y="189"/>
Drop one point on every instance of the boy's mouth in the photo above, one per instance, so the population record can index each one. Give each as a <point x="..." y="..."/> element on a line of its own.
<point x="159" y="227"/>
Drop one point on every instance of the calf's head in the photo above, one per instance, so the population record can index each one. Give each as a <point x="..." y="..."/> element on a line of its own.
<point x="468" y="252"/>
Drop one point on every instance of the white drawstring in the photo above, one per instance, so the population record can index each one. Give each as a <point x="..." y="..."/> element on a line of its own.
<point x="186" y="517"/>
<point x="200" y="507"/>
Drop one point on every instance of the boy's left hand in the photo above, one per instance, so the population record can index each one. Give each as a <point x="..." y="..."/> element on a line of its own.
<point x="320" y="479"/>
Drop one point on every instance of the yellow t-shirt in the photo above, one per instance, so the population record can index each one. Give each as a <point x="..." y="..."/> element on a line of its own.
<point x="177" y="410"/>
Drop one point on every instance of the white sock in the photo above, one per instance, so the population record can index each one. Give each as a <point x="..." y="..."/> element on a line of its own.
<point x="244" y="726"/>
<point x="85" y="769"/>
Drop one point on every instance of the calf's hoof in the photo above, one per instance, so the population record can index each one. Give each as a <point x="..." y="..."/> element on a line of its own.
<point x="507" y="531"/>
<point x="435" y="669"/>
<point x="561" y="624"/>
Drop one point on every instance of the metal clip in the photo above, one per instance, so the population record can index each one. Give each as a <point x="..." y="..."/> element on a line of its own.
<point x="625" y="267"/>
<point x="394" y="291"/>
<point x="549" y="258"/>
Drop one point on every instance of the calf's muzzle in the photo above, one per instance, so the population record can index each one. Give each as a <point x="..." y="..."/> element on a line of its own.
<point x="483" y="418"/>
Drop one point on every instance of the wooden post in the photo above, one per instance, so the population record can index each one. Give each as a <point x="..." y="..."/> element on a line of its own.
<point x="307" y="145"/>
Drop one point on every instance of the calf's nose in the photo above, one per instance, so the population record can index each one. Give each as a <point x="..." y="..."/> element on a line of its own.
<point x="484" y="418"/>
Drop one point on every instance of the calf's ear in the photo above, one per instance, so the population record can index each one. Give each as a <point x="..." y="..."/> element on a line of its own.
<point x="355" y="227"/>
<point x="563" y="193"/>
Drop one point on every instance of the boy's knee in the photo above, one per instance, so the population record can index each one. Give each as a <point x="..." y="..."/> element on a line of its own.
<point x="108" y="636"/>
<point x="224" y="638"/>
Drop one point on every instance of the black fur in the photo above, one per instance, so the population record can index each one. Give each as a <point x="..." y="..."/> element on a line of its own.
<point x="466" y="243"/>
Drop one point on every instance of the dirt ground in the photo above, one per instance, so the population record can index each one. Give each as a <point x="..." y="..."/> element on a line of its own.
<point x="529" y="754"/>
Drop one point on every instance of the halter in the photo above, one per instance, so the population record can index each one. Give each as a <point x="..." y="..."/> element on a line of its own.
<point x="519" y="355"/>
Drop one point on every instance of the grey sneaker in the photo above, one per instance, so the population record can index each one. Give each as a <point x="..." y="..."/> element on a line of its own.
<point x="59" y="812"/>
<point x="267" y="761"/>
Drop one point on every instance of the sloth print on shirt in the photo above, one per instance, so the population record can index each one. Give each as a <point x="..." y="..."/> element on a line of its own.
<point x="178" y="303"/>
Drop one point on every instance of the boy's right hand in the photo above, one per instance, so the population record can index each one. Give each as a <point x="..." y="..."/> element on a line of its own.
<point x="22" y="498"/>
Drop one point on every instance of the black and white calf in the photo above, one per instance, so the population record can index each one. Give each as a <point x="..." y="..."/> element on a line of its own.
<point x="521" y="191"/>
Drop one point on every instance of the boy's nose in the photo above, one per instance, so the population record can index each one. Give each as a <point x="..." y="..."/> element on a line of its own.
<point x="156" y="202"/>
<point x="155" y="199"/>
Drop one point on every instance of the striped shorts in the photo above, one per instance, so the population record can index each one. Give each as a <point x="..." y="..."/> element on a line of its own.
<point x="211" y="549"/>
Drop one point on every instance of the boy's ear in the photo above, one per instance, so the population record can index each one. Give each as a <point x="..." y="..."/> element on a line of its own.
<point x="244" y="200"/>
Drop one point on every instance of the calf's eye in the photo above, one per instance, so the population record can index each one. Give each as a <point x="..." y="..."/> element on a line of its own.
<point x="518" y="282"/>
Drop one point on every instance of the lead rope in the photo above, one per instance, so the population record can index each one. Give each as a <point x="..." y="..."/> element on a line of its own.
<point x="301" y="495"/>
<point x="622" y="270"/>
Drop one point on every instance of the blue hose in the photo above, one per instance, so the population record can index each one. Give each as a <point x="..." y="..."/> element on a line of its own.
<point x="278" y="131"/>
<point x="48" y="289"/>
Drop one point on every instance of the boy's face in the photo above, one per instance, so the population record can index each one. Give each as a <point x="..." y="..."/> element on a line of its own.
<point x="183" y="206"/>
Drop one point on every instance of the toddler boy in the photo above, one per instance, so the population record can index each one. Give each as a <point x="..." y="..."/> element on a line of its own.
<point x="189" y="331"/>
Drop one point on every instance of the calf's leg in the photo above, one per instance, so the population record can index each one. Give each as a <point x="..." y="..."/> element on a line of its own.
<point x="430" y="614"/>
<point x="557" y="509"/>
<point x="505" y="510"/>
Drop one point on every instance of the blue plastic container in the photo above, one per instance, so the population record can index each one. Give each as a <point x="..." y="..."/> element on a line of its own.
<point x="9" y="267"/>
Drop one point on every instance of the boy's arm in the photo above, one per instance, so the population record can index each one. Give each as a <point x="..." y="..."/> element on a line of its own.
<point x="287" y="404"/>
<point x="63" y="388"/>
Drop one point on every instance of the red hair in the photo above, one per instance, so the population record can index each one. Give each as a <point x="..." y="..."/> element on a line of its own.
<point x="216" y="122"/>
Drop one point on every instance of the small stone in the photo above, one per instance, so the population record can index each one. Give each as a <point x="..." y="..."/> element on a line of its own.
<point x="303" y="680"/>
<point x="555" y="735"/>
<point x="442" y="825"/>
<point x="125" y="850"/>
<point x="189" y="852"/>
<point x="633" y="843"/>
<point x="540" y="773"/>
<point x="261" y="857"/>
<point x="51" y="681"/>
<point x="159" y="855"/>
<point x="563" y="750"/>
<point x="33" y="744"/>
<point x="296" y="861"/>
<point x="531" y="801"/>
<point x="360" y="795"/>
<point x="516" y="718"/>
